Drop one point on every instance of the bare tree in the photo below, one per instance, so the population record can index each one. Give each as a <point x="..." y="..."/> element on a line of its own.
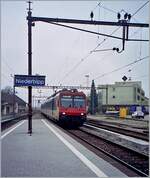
<point x="7" y="89"/>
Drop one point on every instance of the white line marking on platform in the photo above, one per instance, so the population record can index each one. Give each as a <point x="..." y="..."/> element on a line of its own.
<point x="11" y="130"/>
<point x="135" y="140"/>
<point x="87" y="162"/>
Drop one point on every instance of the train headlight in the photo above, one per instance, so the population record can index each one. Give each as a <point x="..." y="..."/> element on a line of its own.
<point x="63" y="113"/>
<point x="82" y="114"/>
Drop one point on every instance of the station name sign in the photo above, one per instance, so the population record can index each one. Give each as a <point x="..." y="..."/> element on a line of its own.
<point x="29" y="80"/>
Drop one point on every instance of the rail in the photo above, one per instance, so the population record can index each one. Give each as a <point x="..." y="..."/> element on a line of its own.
<point x="136" y="162"/>
<point x="133" y="160"/>
<point x="12" y="117"/>
<point x="140" y="134"/>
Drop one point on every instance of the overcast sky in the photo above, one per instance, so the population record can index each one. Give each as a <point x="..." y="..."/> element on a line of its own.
<point x="56" y="50"/>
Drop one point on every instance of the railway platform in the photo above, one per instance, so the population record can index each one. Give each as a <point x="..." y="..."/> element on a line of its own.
<point x="126" y="122"/>
<point x="49" y="152"/>
<point x="135" y="144"/>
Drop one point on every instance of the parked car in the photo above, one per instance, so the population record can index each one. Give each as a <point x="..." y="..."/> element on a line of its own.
<point x="138" y="114"/>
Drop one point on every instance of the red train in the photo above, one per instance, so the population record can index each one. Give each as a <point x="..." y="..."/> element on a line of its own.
<point x="68" y="107"/>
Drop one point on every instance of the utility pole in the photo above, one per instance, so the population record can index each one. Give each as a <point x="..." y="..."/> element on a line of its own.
<point x="87" y="80"/>
<point x="29" y="68"/>
<point x="106" y="97"/>
<point x="57" y="21"/>
<point x="13" y="95"/>
<point x="14" y="100"/>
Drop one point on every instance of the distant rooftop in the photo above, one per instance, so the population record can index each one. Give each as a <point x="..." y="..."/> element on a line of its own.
<point x="127" y="83"/>
<point x="8" y="98"/>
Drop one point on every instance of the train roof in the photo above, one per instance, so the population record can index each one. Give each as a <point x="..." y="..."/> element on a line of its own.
<point x="66" y="91"/>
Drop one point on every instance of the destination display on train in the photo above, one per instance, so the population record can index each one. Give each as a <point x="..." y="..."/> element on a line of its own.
<point x="29" y="80"/>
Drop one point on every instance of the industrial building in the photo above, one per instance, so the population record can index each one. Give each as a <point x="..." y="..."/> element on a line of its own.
<point x="121" y="94"/>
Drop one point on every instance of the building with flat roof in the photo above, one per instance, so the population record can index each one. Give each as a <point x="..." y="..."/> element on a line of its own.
<point x="121" y="94"/>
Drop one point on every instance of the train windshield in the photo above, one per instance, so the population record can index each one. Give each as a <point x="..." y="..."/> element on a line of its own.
<point x="73" y="101"/>
<point x="79" y="101"/>
<point x="66" y="101"/>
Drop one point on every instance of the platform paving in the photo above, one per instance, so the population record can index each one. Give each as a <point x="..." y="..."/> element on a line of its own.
<point x="45" y="155"/>
<point x="134" y="123"/>
<point x="134" y="144"/>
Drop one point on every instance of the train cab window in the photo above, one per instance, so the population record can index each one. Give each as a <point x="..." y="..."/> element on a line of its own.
<point x="79" y="102"/>
<point x="66" y="101"/>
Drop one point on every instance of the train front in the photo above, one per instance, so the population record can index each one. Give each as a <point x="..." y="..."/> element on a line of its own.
<point x="72" y="110"/>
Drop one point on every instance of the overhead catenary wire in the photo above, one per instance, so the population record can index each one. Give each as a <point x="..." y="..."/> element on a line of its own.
<point x="8" y="66"/>
<point x="139" y="9"/>
<point x="101" y="6"/>
<point x="85" y="57"/>
<point x="96" y="6"/>
<point x="106" y="8"/>
<point x="122" y="67"/>
<point x="89" y="53"/>
<point x="133" y="34"/>
<point x="67" y="57"/>
<point x="117" y="47"/>
<point x="131" y="16"/>
<point x="98" y="19"/>
<point x="142" y="76"/>
<point x="140" y="53"/>
<point x="103" y="39"/>
<point x="6" y="77"/>
<point x="76" y="66"/>
<point x="110" y="10"/>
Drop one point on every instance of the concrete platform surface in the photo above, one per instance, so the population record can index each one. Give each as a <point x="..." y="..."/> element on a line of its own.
<point x="49" y="152"/>
<point x="134" y="144"/>
<point x="123" y="140"/>
<point x="134" y="123"/>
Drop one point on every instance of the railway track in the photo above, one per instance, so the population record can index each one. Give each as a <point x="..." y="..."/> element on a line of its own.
<point x="136" y="162"/>
<point x="133" y="161"/>
<point x="141" y="134"/>
<point x="6" y="123"/>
